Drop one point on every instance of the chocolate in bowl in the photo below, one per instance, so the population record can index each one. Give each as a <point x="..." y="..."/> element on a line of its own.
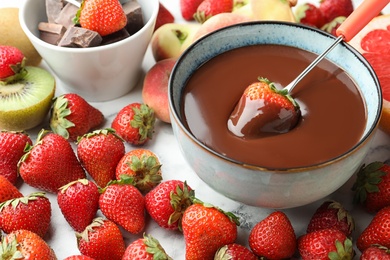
<point x="273" y="186"/>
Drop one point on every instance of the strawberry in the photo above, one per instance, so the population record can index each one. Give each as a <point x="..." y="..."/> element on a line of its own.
<point x="25" y="244"/>
<point x="12" y="146"/>
<point x="145" y="248"/>
<point x="32" y="213"/>
<point x="273" y="237"/>
<point x="234" y="252"/>
<point x="325" y="244"/>
<point x="72" y="116"/>
<point x="334" y="8"/>
<point x="209" y="8"/>
<point x="99" y="152"/>
<point x="167" y="202"/>
<point x="102" y="16"/>
<point x="309" y="14"/>
<point x="124" y="204"/>
<point x="372" y="186"/>
<point x="12" y="63"/>
<point x="101" y="240"/>
<point x="377" y="231"/>
<point x="163" y="16"/>
<point x="135" y="123"/>
<point x="143" y="166"/>
<point x="50" y="164"/>
<point x="332" y="26"/>
<point x="375" y="252"/>
<point x="8" y="190"/>
<point x="79" y="202"/>
<point x="188" y="8"/>
<point x="331" y="214"/>
<point x="206" y="228"/>
<point x="258" y="111"/>
<point x="78" y="257"/>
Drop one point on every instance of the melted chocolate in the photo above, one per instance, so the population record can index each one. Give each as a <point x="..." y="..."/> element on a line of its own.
<point x="333" y="114"/>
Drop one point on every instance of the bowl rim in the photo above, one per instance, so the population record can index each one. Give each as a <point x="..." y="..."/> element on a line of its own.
<point x="175" y="114"/>
<point x="23" y="11"/>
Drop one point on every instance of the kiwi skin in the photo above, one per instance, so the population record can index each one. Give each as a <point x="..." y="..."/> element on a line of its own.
<point x="11" y="34"/>
<point x="24" y="104"/>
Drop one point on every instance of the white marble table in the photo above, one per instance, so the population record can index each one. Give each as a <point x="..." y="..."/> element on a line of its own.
<point x="62" y="239"/>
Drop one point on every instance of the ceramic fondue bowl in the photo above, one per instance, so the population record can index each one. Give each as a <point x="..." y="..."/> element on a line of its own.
<point x="256" y="185"/>
<point x="96" y="73"/>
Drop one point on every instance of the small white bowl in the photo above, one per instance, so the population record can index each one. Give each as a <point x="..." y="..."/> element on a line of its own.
<point x="256" y="185"/>
<point x="97" y="73"/>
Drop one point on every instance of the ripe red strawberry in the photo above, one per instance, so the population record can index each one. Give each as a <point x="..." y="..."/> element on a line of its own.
<point x="167" y="202"/>
<point x="101" y="240"/>
<point x="372" y="186"/>
<point x="377" y="231"/>
<point x="309" y="14"/>
<point x="376" y="252"/>
<point x="135" y="123"/>
<point x="102" y="16"/>
<point x="26" y="245"/>
<point x="79" y="202"/>
<point x="78" y="257"/>
<point x="263" y="96"/>
<point x="206" y="228"/>
<point x="50" y="164"/>
<point x="143" y="166"/>
<point x="209" y="8"/>
<point x="332" y="26"/>
<point x="188" y="8"/>
<point x="99" y="152"/>
<point x="234" y="252"/>
<point x="273" y="237"/>
<point x="32" y="213"/>
<point x="145" y="248"/>
<point x="12" y="63"/>
<point x="124" y="204"/>
<point x="72" y="116"/>
<point x="163" y="16"/>
<point x="334" y="8"/>
<point x="331" y="214"/>
<point x="12" y="146"/>
<point x="8" y="190"/>
<point x="325" y="244"/>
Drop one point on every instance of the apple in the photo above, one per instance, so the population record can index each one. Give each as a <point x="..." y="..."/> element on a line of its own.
<point x="276" y="10"/>
<point x="171" y="39"/>
<point x="155" y="88"/>
<point x="219" y="21"/>
<point x="243" y="7"/>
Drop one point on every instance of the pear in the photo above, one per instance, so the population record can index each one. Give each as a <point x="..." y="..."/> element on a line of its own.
<point x="12" y="34"/>
<point x="276" y="10"/>
<point x="26" y="102"/>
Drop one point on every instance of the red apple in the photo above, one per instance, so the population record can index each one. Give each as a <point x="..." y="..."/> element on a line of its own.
<point x="219" y="21"/>
<point x="171" y="39"/>
<point x="155" y="88"/>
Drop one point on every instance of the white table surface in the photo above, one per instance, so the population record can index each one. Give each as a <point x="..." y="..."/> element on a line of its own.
<point x="62" y="238"/>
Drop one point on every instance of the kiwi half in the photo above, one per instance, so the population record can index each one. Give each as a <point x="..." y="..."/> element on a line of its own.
<point x="25" y="103"/>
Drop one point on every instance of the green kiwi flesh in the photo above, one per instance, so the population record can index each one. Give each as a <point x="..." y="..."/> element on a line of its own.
<point x="25" y="103"/>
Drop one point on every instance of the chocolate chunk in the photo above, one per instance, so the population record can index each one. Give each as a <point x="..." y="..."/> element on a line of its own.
<point x="78" y="37"/>
<point x="53" y="8"/>
<point x="65" y="17"/>
<point x="51" y="32"/>
<point x="115" y="37"/>
<point x="135" y="19"/>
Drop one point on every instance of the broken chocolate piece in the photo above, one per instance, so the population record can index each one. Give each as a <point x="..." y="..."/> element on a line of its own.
<point x="51" y="32"/>
<point x="135" y="19"/>
<point x="115" y="37"/>
<point x="65" y="17"/>
<point x="78" y="37"/>
<point x="53" y="8"/>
